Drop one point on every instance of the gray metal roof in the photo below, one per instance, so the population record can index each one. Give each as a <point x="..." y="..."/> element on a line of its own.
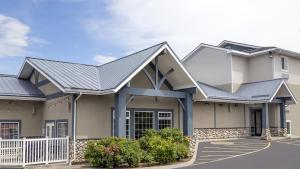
<point x="256" y="91"/>
<point x="262" y="90"/>
<point x="89" y="77"/>
<point x="115" y="72"/>
<point x="12" y="86"/>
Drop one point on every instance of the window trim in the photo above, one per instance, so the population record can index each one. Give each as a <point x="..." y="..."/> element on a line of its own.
<point x="284" y="64"/>
<point x="126" y="118"/>
<point x="165" y="118"/>
<point x="61" y="121"/>
<point x="145" y="110"/>
<point x="14" y="121"/>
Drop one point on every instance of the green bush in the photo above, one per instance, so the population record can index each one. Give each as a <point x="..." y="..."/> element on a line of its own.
<point x="164" y="146"/>
<point x="112" y="152"/>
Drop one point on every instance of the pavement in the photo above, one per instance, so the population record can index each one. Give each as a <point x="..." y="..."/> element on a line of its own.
<point x="235" y="154"/>
<point x="282" y="154"/>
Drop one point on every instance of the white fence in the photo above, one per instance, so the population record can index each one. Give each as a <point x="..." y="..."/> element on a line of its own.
<point x="21" y="152"/>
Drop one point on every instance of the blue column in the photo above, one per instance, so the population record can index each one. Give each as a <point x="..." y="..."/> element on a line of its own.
<point x="188" y="115"/>
<point x="265" y="116"/>
<point x="282" y="114"/>
<point x="120" y="114"/>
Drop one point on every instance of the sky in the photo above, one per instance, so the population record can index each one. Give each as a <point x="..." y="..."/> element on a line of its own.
<point x="99" y="31"/>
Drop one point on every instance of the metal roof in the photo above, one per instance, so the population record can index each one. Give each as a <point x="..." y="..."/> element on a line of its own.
<point x="12" y="86"/>
<point x="261" y="91"/>
<point x="113" y="73"/>
<point x="74" y="76"/>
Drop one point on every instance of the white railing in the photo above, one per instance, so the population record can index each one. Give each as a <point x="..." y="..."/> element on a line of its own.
<point x="15" y="152"/>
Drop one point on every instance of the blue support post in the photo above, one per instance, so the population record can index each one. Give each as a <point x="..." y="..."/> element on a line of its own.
<point x="120" y="114"/>
<point x="265" y="116"/>
<point x="282" y="114"/>
<point x="188" y="115"/>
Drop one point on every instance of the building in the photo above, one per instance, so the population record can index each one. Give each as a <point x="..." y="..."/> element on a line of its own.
<point x="209" y="96"/>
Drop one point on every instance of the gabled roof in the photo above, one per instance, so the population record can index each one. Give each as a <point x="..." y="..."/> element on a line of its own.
<point x="13" y="88"/>
<point x="92" y="79"/>
<point x="255" y="92"/>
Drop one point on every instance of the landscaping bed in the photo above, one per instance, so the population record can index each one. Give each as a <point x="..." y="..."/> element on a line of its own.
<point x="155" y="148"/>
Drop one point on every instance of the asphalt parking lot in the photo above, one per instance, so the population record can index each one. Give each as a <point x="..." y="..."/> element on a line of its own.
<point x="282" y="154"/>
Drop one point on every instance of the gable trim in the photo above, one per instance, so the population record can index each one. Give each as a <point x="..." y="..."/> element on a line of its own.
<point x="289" y="90"/>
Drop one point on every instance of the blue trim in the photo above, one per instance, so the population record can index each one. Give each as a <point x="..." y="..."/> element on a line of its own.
<point x="282" y="114"/>
<point x="166" y="82"/>
<point x="188" y="115"/>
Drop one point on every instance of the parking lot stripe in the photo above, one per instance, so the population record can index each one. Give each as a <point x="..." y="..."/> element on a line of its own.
<point x="215" y="156"/>
<point x="223" y="151"/>
<point x="230" y="148"/>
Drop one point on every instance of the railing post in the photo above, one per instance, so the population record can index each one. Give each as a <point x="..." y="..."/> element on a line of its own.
<point x="47" y="147"/>
<point x="24" y="152"/>
<point x="68" y="155"/>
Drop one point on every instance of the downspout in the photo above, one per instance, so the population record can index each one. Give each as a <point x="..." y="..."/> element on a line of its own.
<point x="74" y="126"/>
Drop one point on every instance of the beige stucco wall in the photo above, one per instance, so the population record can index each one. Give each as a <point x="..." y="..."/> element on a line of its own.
<point x="260" y="68"/>
<point x="58" y="109"/>
<point x="294" y="111"/>
<point x="31" y="121"/>
<point x="239" y="71"/>
<point x="203" y="115"/>
<point x="207" y="62"/>
<point x="225" y="117"/>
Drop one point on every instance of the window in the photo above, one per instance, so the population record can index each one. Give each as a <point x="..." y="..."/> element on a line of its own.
<point x="284" y="63"/>
<point x="62" y="128"/>
<point x="127" y="124"/>
<point x="9" y="130"/>
<point x="164" y="120"/>
<point x="143" y="120"/>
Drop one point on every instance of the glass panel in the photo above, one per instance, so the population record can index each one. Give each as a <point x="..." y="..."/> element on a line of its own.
<point x="288" y="127"/>
<point x="164" y="120"/>
<point x="50" y="129"/>
<point x="9" y="130"/>
<point x="62" y="129"/>
<point x="143" y="121"/>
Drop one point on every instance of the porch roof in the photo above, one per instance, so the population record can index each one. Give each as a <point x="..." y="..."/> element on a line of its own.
<point x="100" y="80"/>
<point x="255" y="92"/>
<point x="17" y="89"/>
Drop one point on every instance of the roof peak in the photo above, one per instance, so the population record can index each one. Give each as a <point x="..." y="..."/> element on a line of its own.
<point x="161" y="43"/>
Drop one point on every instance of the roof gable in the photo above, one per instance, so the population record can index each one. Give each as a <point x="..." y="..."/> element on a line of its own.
<point x="11" y="86"/>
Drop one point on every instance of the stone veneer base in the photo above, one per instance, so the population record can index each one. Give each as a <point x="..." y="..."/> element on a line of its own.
<point x="218" y="133"/>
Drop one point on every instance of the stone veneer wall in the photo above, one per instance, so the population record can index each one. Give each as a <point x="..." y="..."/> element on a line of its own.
<point x="278" y="132"/>
<point x="218" y="133"/>
<point x="80" y="148"/>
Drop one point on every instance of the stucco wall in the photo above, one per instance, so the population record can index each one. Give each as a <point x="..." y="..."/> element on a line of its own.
<point x="225" y="117"/>
<point x="239" y="71"/>
<point x="58" y="109"/>
<point x="294" y="113"/>
<point x="260" y="68"/>
<point x="31" y="121"/>
<point x="205" y="62"/>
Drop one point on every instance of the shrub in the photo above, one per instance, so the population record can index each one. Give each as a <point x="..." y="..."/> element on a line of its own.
<point x="164" y="146"/>
<point x="112" y="152"/>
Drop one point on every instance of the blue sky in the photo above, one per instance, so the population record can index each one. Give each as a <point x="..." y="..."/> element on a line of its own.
<point x="95" y="31"/>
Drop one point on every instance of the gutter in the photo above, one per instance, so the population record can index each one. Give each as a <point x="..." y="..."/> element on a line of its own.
<point x="74" y="126"/>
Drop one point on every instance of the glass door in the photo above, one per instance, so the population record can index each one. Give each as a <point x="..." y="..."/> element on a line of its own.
<point x="256" y="123"/>
<point x="288" y="127"/>
<point x="50" y="129"/>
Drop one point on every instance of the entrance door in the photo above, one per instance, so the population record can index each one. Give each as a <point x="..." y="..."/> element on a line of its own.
<point x="256" y="122"/>
<point x="50" y="129"/>
<point x="288" y="127"/>
<point x="143" y="120"/>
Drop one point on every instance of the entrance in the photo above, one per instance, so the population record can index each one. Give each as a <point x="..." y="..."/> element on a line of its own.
<point x="50" y="129"/>
<point x="256" y="122"/>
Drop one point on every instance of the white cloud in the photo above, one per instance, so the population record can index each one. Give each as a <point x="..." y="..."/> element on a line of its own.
<point x="102" y="59"/>
<point x="134" y="24"/>
<point x="14" y="36"/>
